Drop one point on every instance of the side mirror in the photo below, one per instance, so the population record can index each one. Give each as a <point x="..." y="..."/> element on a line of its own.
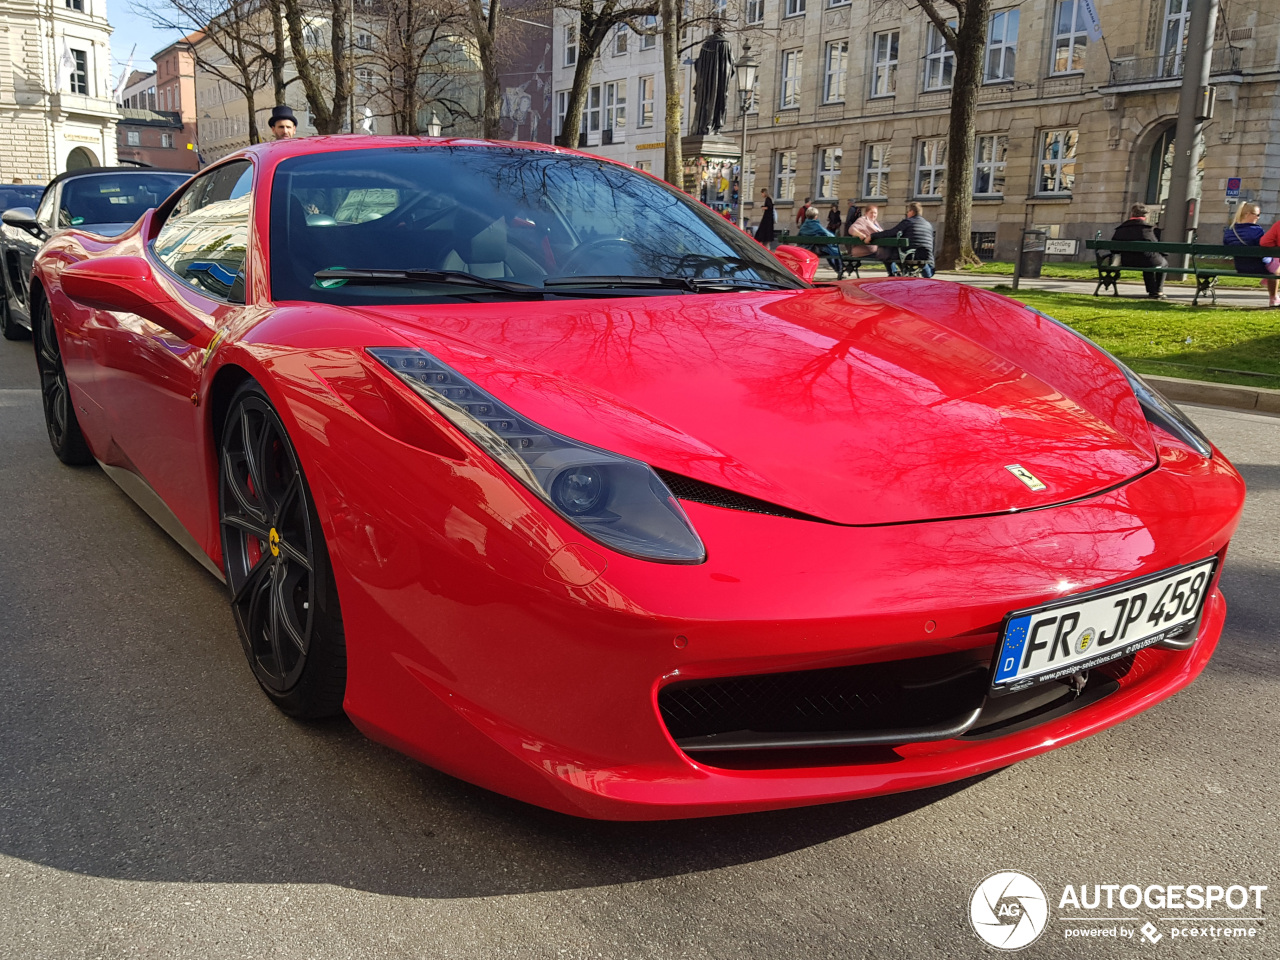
<point x="127" y="285"/>
<point x="803" y="263"/>
<point x="24" y="218"/>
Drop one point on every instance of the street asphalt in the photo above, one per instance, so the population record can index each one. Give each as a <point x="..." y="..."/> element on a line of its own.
<point x="154" y="804"/>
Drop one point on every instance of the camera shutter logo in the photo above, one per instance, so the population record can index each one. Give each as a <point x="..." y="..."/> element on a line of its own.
<point x="1009" y="910"/>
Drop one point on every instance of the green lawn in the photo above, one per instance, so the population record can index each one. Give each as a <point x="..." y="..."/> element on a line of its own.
<point x="1219" y="344"/>
<point x="1078" y="270"/>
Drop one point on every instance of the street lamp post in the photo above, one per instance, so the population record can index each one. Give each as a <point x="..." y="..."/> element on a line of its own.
<point x="746" y="68"/>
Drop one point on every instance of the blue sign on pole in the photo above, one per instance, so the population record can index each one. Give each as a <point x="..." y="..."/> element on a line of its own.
<point x="1233" y="187"/>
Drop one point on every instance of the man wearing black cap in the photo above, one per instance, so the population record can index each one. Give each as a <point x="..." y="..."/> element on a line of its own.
<point x="283" y="123"/>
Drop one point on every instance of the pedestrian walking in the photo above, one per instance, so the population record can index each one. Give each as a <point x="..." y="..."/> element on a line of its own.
<point x="918" y="231"/>
<point x="1245" y="231"/>
<point x="834" y="219"/>
<point x="283" y="124"/>
<point x="765" y="232"/>
<point x="1136" y="228"/>
<point x="800" y="214"/>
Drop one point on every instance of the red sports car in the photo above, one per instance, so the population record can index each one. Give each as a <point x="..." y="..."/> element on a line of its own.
<point x="551" y="478"/>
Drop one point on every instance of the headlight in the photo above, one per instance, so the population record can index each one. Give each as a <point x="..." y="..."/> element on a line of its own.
<point x="613" y="499"/>
<point x="1158" y="410"/>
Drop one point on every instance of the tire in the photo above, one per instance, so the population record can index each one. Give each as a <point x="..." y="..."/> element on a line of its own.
<point x="283" y="594"/>
<point x="10" y="329"/>
<point x="65" y="435"/>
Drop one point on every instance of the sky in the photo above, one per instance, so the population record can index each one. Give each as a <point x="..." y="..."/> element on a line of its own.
<point x="130" y="29"/>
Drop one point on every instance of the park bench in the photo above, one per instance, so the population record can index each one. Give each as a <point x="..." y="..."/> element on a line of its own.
<point x="1208" y="262"/>
<point x="905" y="253"/>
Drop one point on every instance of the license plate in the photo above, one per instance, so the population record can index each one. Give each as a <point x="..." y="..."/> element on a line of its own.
<point x="1076" y="633"/>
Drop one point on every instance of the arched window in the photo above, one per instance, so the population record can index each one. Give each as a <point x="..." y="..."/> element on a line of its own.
<point x="79" y="158"/>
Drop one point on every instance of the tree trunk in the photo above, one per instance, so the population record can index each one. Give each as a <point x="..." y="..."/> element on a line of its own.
<point x="673" y="161"/>
<point x="485" y="30"/>
<point x="278" y="54"/>
<point x="969" y="49"/>
<point x="342" y="59"/>
<point x="249" y="99"/>
<point x="577" y="93"/>
<point x="321" y="115"/>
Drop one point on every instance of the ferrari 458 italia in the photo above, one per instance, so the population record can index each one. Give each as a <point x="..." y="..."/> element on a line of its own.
<point x="551" y="478"/>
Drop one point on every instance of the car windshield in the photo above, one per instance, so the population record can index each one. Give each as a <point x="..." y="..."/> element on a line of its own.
<point x="19" y="195"/>
<point x="114" y="197"/>
<point x="467" y="222"/>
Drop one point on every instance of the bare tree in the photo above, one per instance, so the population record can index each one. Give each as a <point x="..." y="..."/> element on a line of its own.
<point x="594" y="26"/>
<point x="421" y="58"/>
<point x="672" y="159"/>
<point x="485" y="24"/>
<point x="963" y="26"/>
<point x="234" y="53"/>
<point x="318" y="40"/>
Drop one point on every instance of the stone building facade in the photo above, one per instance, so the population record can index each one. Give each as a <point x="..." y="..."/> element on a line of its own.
<point x="853" y="102"/>
<point x="56" y="106"/>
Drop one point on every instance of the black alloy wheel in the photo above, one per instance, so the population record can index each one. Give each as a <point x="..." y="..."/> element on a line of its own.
<point x="283" y="595"/>
<point x="10" y="328"/>
<point x="59" y="414"/>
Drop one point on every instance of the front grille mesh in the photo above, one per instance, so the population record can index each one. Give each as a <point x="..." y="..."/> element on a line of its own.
<point x="901" y="694"/>
<point x="686" y="488"/>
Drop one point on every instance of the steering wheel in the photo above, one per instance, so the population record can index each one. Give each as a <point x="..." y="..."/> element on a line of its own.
<point x="571" y="263"/>
<point x="702" y="265"/>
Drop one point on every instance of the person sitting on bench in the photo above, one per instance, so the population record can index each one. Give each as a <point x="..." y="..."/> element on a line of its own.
<point x="1245" y="231"/>
<point x="918" y="231"/>
<point x="1137" y="228"/>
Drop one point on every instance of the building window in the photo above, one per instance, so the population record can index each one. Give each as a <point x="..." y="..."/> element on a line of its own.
<point x="620" y="40"/>
<point x="364" y="80"/>
<point x="754" y="11"/>
<point x="645" y="165"/>
<point x="939" y="61"/>
<point x="1057" y="161"/>
<point x="884" y="60"/>
<point x="132" y="138"/>
<point x="166" y="139"/>
<point x="75" y="5"/>
<point x="989" y="156"/>
<point x="571" y="45"/>
<point x="791" y="62"/>
<point x="615" y="108"/>
<point x="838" y="3"/>
<point x="649" y="39"/>
<point x="784" y="175"/>
<point x="364" y="41"/>
<point x="931" y="167"/>
<point x="1070" y="39"/>
<point x="592" y="114"/>
<point x="1174" y="45"/>
<point x="829" y="173"/>
<point x="875" y="172"/>
<point x="646" y="102"/>
<point x="1002" y="42"/>
<point x="562" y="107"/>
<point x="837" y="69"/>
<point x="794" y="8"/>
<point x="80" y="72"/>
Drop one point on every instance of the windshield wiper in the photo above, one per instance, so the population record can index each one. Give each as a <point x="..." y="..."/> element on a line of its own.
<point x="688" y="284"/>
<point x="451" y="277"/>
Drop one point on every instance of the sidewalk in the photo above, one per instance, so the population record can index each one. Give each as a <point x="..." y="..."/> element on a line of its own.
<point x="1254" y="296"/>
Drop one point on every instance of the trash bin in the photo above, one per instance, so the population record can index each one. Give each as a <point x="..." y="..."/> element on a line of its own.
<point x="1031" y="257"/>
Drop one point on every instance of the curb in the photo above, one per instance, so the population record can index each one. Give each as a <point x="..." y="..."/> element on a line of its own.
<point x="1259" y="399"/>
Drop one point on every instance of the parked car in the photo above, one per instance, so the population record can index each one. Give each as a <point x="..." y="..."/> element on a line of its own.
<point x="550" y="477"/>
<point x="101" y="201"/>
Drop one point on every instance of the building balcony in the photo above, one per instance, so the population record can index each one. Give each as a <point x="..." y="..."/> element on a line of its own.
<point x="1167" y="71"/>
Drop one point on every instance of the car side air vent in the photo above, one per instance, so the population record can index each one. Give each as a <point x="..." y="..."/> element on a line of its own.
<point x="686" y="488"/>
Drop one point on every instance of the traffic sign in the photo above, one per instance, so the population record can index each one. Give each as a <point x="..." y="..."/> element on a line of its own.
<point x="1233" y="187"/>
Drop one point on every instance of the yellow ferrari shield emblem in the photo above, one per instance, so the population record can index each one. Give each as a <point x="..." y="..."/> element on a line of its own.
<point x="1026" y="476"/>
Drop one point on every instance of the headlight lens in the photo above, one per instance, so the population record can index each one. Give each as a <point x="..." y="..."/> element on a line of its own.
<point x="1157" y="409"/>
<point x="613" y="499"/>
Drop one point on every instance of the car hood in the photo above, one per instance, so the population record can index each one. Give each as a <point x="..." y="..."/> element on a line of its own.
<point x="833" y="401"/>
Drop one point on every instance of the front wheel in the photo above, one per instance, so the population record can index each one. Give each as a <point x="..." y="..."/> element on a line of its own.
<point x="283" y="593"/>
<point x="65" y="436"/>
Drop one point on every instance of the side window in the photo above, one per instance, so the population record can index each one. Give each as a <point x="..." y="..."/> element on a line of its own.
<point x="45" y="214"/>
<point x="205" y="239"/>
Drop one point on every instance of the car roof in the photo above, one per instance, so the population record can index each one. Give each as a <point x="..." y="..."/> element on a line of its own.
<point x="113" y="171"/>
